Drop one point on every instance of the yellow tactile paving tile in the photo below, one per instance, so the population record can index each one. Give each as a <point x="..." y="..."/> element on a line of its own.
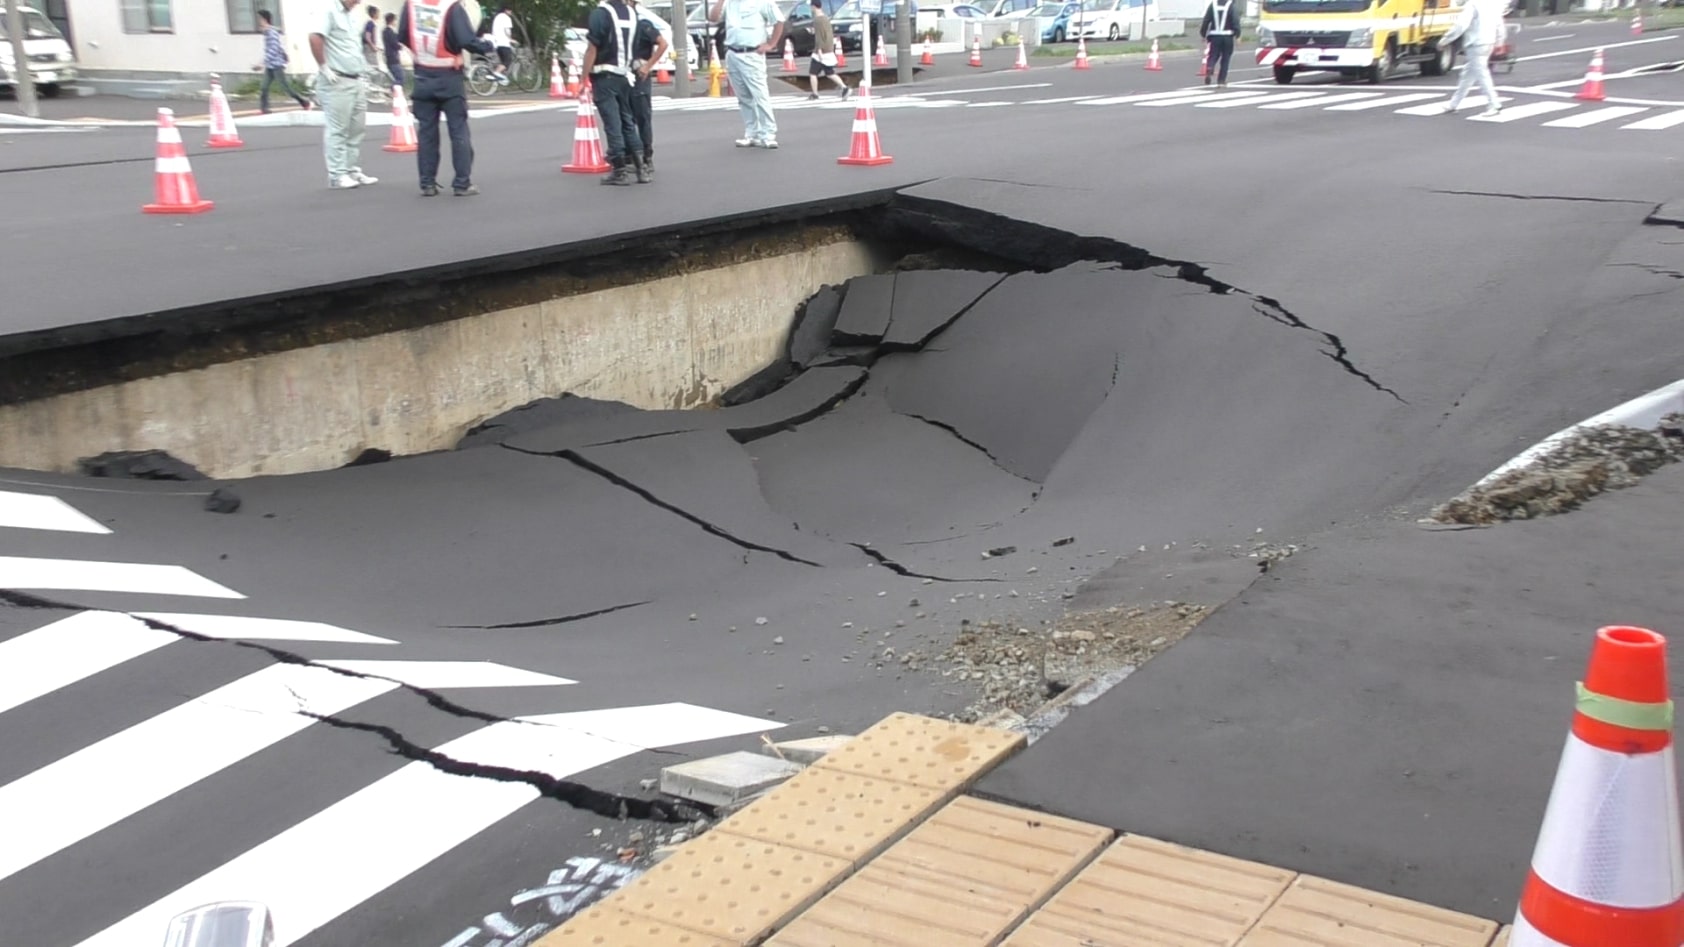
<point x="1315" y="912"/>
<point x="1145" y="893"/>
<point x="837" y="814"/>
<point x="603" y="926"/>
<point x="961" y="879"/>
<point x="923" y="751"/>
<point x="1502" y="938"/>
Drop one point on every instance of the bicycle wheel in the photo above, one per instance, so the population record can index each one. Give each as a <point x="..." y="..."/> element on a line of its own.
<point x="528" y="77"/>
<point x="482" y="80"/>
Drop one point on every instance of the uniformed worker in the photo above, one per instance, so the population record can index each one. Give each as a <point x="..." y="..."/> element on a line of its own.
<point x="610" y="34"/>
<point x="438" y="33"/>
<point x="649" y="47"/>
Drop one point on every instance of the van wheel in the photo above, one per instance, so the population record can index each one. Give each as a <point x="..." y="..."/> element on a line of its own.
<point x="1444" y="57"/>
<point x="49" y="91"/>
<point x="1115" y="34"/>
<point x="1284" y="74"/>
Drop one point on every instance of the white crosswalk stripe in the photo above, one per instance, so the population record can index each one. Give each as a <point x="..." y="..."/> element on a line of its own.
<point x="29" y="573"/>
<point x="1659" y="122"/>
<point x="1514" y="113"/>
<point x="1596" y="116"/>
<point x="34" y="511"/>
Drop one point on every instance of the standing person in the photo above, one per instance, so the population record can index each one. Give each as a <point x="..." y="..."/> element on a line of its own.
<point x="609" y="35"/>
<point x="822" y="61"/>
<point x="343" y="93"/>
<point x="752" y="27"/>
<point x="393" y="47"/>
<point x="1220" y="27"/>
<point x="275" y="60"/>
<point x="503" y="38"/>
<point x="371" y="37"/>
<point x="649" y="46"/>
<point x="1480" y="27"/>
<point x="437" y="32"/>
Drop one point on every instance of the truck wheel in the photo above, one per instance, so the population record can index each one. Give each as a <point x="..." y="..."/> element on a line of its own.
<point x="1385" y="67"/>
<point x="1284" y="74"/>
<point x="1444" y="57"/>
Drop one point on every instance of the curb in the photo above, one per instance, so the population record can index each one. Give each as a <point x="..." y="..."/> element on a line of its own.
<point x="1644" y="411"/>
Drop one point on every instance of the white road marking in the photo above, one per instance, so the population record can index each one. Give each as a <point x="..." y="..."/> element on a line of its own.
<point x="1585" y="50"/>
<point x="1517" y="112"/>
<point x="60" y="804"/>
<point x="991" y="88"/>
<point x="1219" y="97"/>
<point x="1550" y="39"/>
<point x="384" y="832"/>
<point x="986" y="105"/>
<point x="1658" y="122"/>
<point x="1272" y="97"/>
<point x="19" y="572"/>
<point x="1324" y="100"/>
<point x="1060" y="101"/>
<point x="1477" y="100"/>
<point x="1595" y="116"/>
<point x="1147" y="97"/>
<point x="1382" y="103"/>
<point x="34" y="511"/>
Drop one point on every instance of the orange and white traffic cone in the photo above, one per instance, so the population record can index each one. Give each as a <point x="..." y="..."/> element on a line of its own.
<point x="222" y="131"/>
<point x="558" y="89"/>
<point x="1082" y="53"/>
<point x="1637" y="23"/>
<point x="1022" y="57"/>
<point x="867" y="147"/>
<point x="402" y="138"/>
<point x="588" y="157"/>
<point x="573" y="80"/>
<point x="841" y="57"/>
<point x="976" y="51"/>
<point x="882" y="57"/>
<point x="1204" y="61"/>
<point x="174" y="190"/>
<point x="1591" y="91"/>
<point x="663" y="75"/>
<point x="1153" y="63"/>
<point x="929" y="57"/>
<point x="1609" y="865"/>
<point x="789" y="56"/>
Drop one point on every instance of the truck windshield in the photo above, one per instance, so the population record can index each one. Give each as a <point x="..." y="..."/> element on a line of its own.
<point x="1316" y="6"/>
<point x="35" y="26"/>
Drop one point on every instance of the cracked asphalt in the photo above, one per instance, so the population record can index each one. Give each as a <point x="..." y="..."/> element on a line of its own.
<point x="1219" y="329"/>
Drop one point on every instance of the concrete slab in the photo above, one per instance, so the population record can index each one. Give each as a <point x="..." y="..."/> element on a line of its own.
<point x="926" y="300"/>
<point x="808" y="395"/>
<point x="964" y="877"/>
<point x="809" y="749"/>
<point x="925" y="752"/>
<point x="1145" y="893"/>
<point x="867" y="304"/>
<point x="838" y="814"/>
<point x="724" y="780"/>
<point x="1317" y="911"/>
<point x="809" y="336"/>
<point x="603" y="926"/>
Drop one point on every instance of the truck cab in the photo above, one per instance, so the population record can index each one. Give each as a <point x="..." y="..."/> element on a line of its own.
<point x="51" y="63"/>
<point x="1369" y="39"/>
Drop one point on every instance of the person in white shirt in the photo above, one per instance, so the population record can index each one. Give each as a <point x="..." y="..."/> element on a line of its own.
<point x="503" y="37"/>
<point x="752" y="27"/>
<point x="1480" y="27"/>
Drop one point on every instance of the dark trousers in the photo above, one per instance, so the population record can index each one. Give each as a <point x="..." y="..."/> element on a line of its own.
<point x="643" y="110"/>
<point x="396" y="69"/>
<point x="613" y="97"/>
<point x="442" y="91"/>
<point x="1221" y="51"/>
<point x="273" y="74"/>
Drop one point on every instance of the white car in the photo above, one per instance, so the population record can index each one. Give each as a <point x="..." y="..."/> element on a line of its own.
<point x="930" y="17"/>
<point x="1112" y="19"/>
<point x="51" y="63"/>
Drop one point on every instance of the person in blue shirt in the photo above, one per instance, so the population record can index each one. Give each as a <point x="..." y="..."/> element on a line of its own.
<point x="752" y="27"/>
<point x="275" y="60"/>
<point x="393" y="45"/>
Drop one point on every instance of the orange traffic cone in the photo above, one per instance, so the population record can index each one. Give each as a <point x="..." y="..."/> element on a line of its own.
<point x="789" y="56"/>
<point x="174" y="189"/>
<point x="841" y="57"/>
<point x="1637" y="23"/>
<point x="1608" y="867"/>
<point x="882" y="57"/>
<point x="588" y="157"/>
<point x="976" y="51"/>
<point x="867" y="147"/>
<point x="663" y="76"/>
<point x="573" y="81"/>
<point x="1153" y="63"/>
<point x="1022" y="57"/>
<point x="1204" y="61"/>
<point x="222" y="131"/>
<point x="1082" y="53"/>
<point x="929" y="58"/>
<point x="402" y="138"/>
<point x="557" y="89"/>
<point x="1591" y="91"/>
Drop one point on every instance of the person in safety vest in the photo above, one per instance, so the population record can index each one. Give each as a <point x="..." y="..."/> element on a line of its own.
<point x="649" y="46"/>
<point x="438" y="33"/>
<point x="1221" y="27"/>
<point x="611" y="34"/>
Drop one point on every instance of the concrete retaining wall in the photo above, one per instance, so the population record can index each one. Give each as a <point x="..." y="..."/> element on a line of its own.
<point x="673" y="342"/>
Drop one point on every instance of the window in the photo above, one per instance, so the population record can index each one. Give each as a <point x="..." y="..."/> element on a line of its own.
<point x="147" y="16"/>
<point x="242" y="14"/>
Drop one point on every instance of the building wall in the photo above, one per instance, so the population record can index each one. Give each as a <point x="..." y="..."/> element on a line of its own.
<point x="201" y="42"/>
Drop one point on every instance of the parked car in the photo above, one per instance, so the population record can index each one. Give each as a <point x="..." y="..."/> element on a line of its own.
<point x="51" y="63"/>
<point x="695" y="52"/>
<point x="1055" y="20"/>
<point x="930" y="17"/>
<point x="847" y="22"/>
<point x="798" y="28"/>
<point x="1011" y="7"/>
<point x="1111" y="19"/>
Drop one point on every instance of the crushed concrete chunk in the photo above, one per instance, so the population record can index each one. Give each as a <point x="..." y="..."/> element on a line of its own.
<point x="723" y="780"/>
<point x="807" y="750"/>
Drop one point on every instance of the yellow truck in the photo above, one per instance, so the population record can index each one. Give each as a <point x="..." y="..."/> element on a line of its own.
<point x="1370" y="39"/>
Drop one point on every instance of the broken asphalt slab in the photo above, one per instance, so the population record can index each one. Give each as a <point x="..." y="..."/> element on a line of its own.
<point x="926" y="301"/>
<point x="867" y="305"/>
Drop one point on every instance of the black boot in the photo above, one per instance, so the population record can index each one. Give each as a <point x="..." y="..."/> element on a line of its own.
<point x="649" y="164"/>
<point x="620" y="176"/>
<point x="643" y="175"/>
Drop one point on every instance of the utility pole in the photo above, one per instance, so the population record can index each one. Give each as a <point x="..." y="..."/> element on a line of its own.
<point x="903" y="43"/>
<point x="680" y="45"/>
<point x="22" y="81"/>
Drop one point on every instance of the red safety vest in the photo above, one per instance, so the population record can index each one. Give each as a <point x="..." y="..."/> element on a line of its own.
<point x="426" y="34"/>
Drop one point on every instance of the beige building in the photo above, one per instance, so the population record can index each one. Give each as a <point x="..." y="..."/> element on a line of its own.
<point x="168" y="38"/>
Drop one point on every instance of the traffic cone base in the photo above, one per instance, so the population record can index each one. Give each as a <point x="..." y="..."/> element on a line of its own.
<point x="174" y="190"/>
<point x="1591" y="91"/>
<point x="558" y="89"/>
<point x="588" y="155"/>
<point x="789" y="56"/>
<point x="1153" y="63"/>
<point x="1204" y="62"/>
<point x="1609" y="865"/>
<point x="402" y="139"/>
<point x="1022" y="57"/>
<point x="663" y="75"/>
<point x="882" y="57"/>
<point x="929" y="57"/>
<point x="866" y="149"/>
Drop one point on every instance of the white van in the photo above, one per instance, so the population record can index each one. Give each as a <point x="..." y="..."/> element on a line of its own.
<point x="51" y="63"/>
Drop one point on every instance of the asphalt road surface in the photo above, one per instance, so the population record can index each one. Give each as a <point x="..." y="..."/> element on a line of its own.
<point x="1357" y="312"/>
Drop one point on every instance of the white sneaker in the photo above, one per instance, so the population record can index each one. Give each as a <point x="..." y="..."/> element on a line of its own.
<point x="746" y="143"/>
<point x="766" y="143"/>
<point x="344" y="182"/>
<point x="364" y="178"/>
<point x="1491" y="110"/>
